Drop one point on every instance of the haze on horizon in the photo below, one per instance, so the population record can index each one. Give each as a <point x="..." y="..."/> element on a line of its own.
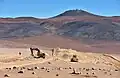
<point x="49" y="8"/>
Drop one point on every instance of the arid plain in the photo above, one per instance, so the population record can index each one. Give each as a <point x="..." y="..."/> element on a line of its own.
<point x="59" y="65"/>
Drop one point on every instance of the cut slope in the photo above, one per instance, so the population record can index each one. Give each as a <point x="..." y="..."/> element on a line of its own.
<point x="89" y="57"/>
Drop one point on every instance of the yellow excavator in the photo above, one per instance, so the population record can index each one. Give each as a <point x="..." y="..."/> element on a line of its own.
<point x="39" y="54"/>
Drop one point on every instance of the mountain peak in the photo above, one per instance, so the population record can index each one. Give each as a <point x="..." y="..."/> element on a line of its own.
<point x="75" y="12"/>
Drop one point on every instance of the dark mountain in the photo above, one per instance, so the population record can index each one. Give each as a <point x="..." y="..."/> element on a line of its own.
<point x="77" y="24"/>
<point x="9" y="30"/>
<point x="27" y="18"/>
<point x="76" y="13"/>
<point x="90" y="30"/>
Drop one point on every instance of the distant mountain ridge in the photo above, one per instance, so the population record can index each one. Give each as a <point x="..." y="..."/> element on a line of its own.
<point x="76" y="13"/>
<point x="78" y="24"/>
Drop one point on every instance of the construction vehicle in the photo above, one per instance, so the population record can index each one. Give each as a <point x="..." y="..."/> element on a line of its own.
<point x="74" y="58"/>
<point x="39" y="54"/>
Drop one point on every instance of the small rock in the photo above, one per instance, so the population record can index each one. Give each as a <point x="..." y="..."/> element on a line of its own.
<point x="43" y="68"/>
<point x="99" y="69"/>
<point x="30" y="69"/>
<point x="23" y="67"/>
<point x="33" y="72"/>
<point x="46" y="69"/>
<point x="87" y="69"/>
<point x="36" y="67"/>
<point x="20" y="72"/>
<point x="70" y="67"/>
<point x="6" y="68"/>
<point x="93" y="69"/>
<point x="20" y="53"/>
<point x="14" y="67"/>
<point x="9" y="68"/>
<point x="6" y="75"/>
<point x="57" y="74"/>
<point x="103" y="69"/>
<point x="105" y="72"/>
<point x="59" y="68"/>
<point x="49" y="62"/>
<point x="83" y="68"/>
<point x="65" y="68"/>
<point x="116" y="70"/>
<point x="80" y="73"/>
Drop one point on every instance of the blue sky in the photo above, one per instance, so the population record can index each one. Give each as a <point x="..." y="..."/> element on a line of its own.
<point x="48" y="8"/>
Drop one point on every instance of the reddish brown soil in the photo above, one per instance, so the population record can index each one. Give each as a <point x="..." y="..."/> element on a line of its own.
<point x="57" y="41"/>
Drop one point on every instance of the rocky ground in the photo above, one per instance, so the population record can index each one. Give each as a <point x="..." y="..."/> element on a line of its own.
<point x="89" y="65"/>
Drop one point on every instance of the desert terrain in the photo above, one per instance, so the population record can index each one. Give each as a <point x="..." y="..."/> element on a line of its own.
<point x="59" y="65"/>
<point x="85" y="45"/>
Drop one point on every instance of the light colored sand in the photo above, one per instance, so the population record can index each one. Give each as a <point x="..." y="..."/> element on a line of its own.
<point x="104" y="64"/>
